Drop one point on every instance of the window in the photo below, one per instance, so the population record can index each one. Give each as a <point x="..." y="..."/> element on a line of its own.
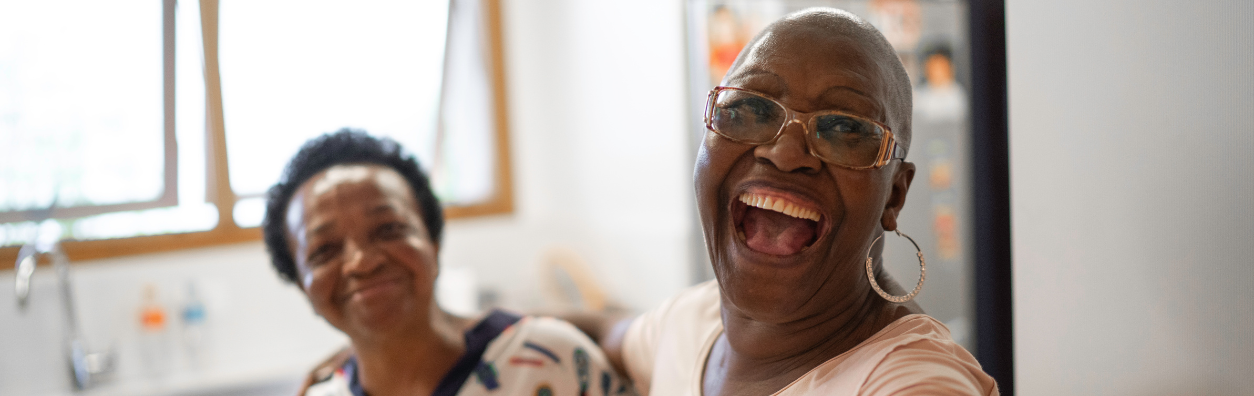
<point x="130" y="123"/>
<point x="276" y="94"/>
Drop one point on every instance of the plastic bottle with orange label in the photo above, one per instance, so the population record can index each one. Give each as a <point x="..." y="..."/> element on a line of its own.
<point x="153" y="324"/>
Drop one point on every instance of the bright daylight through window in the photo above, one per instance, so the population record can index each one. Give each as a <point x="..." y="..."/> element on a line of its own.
<point x="369" y="65"/>
<point x="106" y="116"/>
<point x="83" y="115"/>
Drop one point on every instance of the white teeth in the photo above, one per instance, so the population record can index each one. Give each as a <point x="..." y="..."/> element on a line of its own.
<point x="778" y="205"/>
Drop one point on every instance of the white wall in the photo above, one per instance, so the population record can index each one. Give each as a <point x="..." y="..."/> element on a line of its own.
<point x="1132" y="173"/>
<point x="600" y="166"/>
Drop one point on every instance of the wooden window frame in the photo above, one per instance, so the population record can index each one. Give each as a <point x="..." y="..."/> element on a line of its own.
<point x="217" y="170"/>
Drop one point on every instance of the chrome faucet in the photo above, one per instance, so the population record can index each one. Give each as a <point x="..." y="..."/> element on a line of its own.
<point x="85" y="367"/>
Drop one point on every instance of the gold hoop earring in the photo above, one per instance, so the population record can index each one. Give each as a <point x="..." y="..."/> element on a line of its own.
<point x="870" y="273"/>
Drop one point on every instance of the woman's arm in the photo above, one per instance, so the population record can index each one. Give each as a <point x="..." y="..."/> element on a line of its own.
<point x="326" y="368"/>
<point x="606" y="328"/>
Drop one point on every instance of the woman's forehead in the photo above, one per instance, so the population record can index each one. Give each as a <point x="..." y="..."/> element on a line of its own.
<point x="384" y="177"/>
<point x="349" y="185"/>
<point x="821" y="67"/>
<point x="809" y="55"/>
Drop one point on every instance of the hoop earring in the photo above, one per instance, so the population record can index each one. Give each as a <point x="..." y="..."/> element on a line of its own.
<point x="870" y="273"/>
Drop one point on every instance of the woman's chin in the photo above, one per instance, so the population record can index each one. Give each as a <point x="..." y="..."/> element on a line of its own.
<point x="769" y="285"/>
<point x="771" y="301"/>
<point x="378" y="321"/>
<point x="382" y="315"/>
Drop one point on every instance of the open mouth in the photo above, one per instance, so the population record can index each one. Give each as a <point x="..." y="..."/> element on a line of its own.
<point x="775" y="224"/>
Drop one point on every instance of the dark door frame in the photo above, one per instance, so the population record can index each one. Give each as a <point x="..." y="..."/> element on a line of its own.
<point x="991" y="181"/>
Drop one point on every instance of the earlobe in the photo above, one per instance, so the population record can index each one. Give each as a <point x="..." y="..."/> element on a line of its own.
<point x="889" y="221"/>
<point x="897" y="197"/>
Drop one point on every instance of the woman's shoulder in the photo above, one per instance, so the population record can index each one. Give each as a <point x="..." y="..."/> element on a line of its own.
<point x="341" y="382"/>
<point x="335" y="385"/>
<point x="551" y="330"/>
<point x="690" y="315"/>
<point x="699" y="303"/>
<point x="542" y="352"/>
<point x="922" y="359"/>
<point x="913" y="355"/>
<point x="669" y="339"/>
<point x="542" y="334"/>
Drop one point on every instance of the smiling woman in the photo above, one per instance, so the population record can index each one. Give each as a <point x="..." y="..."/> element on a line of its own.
<point x="120" y="181"/>
<point x="802" y="168"/>
<point x="353" y="221"/>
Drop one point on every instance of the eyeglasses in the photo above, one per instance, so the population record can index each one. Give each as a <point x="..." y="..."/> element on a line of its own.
<point x="837" y="138"/>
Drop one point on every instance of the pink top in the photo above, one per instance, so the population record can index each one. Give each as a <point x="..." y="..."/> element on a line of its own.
<point x="665" y="351"/>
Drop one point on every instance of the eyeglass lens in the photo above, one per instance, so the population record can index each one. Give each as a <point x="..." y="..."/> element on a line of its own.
<point x="837" y="138"/>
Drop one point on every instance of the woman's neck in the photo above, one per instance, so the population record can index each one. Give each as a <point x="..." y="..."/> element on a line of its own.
<point x="754" y="357"/>
<point x="413" y="359"/>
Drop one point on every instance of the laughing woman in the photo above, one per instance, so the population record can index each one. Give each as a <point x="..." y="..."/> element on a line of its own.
<point x="800" y="177"/>
<point x="353" y="222"/>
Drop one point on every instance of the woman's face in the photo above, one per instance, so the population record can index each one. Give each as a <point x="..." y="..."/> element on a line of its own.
<point x="366" y="261"/>
<point x="775" y="267"/>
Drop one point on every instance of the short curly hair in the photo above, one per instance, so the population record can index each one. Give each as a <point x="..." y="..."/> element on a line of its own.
<point x="345" y="146"/>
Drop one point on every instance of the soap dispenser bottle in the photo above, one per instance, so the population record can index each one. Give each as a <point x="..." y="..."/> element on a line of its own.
<point x="193" y="329"/>
<point x="153" y="344"/>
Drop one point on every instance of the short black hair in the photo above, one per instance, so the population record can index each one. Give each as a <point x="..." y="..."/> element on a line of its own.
<point x="345" y="146"/>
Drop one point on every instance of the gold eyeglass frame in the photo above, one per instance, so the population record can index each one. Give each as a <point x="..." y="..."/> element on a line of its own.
<point x="889" y="149"/>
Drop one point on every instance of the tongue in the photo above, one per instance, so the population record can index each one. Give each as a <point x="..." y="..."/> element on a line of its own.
<point x="771" y="232"/>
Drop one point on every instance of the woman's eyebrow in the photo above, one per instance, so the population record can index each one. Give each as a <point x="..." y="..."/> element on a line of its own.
<point x="322" y="228"/>
<point x="755" y="75"/>
<point x="383" y="208"/>
<point x="838" y="88"/>
<point x="838" y="96"/>
<point x="754" y="71"/>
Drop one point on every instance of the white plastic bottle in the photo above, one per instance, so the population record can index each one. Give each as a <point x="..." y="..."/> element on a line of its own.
<point x="153" y="333"/>
<point x="193" y="327"/>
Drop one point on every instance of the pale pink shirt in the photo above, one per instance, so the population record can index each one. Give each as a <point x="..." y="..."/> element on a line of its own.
<point x="665" y="351"/>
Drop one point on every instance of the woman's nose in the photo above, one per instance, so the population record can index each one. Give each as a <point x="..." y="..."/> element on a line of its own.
<point x="361" y="258"/>
<point x="789" y="153"/>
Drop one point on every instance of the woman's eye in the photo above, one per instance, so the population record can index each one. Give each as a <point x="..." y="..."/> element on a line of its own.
<point x="322" y="254"/>
<point x="843" y="128"/>
<point x="762" y="110"/>
<point x="392" y="230"/>
<point x="750" y="110"/>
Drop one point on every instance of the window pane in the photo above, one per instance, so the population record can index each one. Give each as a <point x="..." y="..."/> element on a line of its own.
<point x="192" y="213"/>
<point x="80" y="103"/>
<point x="249" y="212"/>
<point x="466" y="171"/>
<point x="292" y="70"/>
